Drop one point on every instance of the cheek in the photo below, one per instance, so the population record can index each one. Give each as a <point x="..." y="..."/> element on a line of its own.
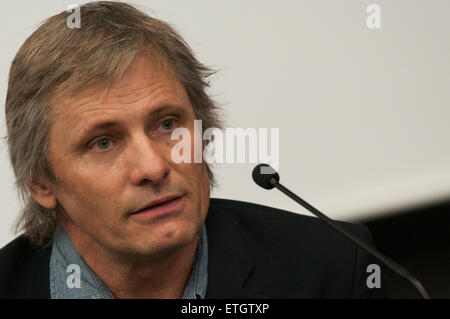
<point x="205" y="192"/>
<point x="195" y="176"/>
<point x="84" y="194"/>
<point x="205" y="181"/>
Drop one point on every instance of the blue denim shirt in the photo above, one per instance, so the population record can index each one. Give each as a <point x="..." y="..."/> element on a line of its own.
<point x="79" y="281"/>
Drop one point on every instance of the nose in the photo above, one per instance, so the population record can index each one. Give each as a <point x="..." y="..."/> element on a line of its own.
<point x="147" y="161"/>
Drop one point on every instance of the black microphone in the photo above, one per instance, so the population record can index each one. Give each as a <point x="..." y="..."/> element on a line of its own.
<point x="266" y="177"/>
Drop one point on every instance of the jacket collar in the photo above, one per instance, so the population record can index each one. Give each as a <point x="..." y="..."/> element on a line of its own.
<point x="230" y="262"/>
<point x="38" y="281"/>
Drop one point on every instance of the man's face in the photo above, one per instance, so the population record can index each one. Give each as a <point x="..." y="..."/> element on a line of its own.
<point x="109" y="172"/>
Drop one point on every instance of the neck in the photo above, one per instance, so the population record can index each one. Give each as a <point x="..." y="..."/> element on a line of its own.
<point x="162" y="276"/>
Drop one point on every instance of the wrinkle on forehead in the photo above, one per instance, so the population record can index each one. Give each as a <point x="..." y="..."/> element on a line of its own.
<point x="125" y="87"/>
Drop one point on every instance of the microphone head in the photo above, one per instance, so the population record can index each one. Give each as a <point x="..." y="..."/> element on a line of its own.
<point x="262" y="175"/>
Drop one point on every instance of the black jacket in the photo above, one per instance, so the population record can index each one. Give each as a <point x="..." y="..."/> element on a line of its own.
<point x="254" y="252"/>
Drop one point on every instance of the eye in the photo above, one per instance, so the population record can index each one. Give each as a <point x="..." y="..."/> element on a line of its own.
<point x="102" y="143"/>
<point x="168" y="124"/>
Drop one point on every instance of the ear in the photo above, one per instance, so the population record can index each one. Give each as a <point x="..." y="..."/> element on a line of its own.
<point x="42" y="194"/>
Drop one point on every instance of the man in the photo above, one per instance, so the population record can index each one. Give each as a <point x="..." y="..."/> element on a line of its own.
<point x="108" y="212"/>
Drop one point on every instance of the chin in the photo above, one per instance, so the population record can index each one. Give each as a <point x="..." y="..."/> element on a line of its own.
<point x="166" y="242"/>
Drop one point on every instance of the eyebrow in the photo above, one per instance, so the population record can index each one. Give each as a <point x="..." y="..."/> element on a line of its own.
<point x="109" y="124"/>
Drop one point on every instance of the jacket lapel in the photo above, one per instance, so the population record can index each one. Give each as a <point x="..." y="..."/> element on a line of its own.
<point x="229" y="260"/>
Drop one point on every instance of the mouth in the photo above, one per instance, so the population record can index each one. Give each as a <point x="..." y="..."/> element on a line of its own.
<point x="164" y="206"/>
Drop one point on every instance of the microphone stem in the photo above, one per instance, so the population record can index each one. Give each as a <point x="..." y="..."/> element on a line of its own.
<point x="385" y="260"/>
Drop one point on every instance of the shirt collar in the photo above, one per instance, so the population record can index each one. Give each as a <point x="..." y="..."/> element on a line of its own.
<point x="72" y="278"/>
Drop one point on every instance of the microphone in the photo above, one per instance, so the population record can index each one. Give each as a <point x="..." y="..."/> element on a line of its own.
<point x="266" y="177"/>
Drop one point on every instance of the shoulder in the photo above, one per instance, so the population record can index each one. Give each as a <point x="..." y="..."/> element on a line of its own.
<point x="302" y="255"/>
<point x="14" y="254"/>
<point x="269" y="220"/>
<point x="23" y="269"/>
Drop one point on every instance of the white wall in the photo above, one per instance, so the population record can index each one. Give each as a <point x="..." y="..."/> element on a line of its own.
<point x="363" y="114"/>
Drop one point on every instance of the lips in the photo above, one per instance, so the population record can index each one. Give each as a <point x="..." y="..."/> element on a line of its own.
<point x="162" y="206"/>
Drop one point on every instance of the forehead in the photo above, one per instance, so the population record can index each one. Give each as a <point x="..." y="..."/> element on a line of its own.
<point x="143" y="78"/>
